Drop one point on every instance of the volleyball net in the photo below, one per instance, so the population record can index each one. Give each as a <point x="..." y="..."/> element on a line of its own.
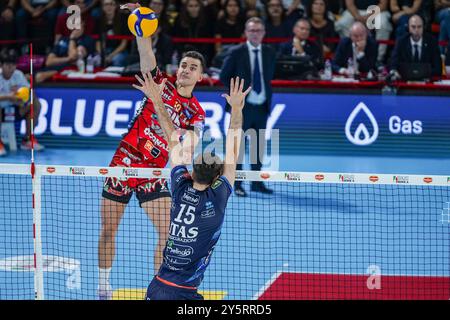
<point x="318" y="236"/>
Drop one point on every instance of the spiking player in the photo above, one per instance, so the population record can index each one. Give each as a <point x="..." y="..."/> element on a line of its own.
<point x="198" y="201"/>
<point x="144" y="146"/>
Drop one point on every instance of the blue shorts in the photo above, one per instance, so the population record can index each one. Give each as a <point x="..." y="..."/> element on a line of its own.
<point x="160" y="291"/>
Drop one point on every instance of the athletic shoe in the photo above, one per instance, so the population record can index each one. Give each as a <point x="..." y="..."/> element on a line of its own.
<point x="105" y="293"/>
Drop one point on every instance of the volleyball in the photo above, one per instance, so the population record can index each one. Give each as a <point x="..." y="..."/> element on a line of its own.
<point x="142" y="22"/>
<point x="23" y="93"/>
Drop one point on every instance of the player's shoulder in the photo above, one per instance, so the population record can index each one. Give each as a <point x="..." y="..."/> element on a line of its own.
<point x="221" y="182"/>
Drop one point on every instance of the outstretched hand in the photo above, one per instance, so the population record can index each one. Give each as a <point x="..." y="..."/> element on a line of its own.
<point x="236" y="98"/>
<point x="149" y="87"/>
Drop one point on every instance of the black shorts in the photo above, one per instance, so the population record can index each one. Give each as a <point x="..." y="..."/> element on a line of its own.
<point x="160" y="291"/>
<point x="122" y="190"/>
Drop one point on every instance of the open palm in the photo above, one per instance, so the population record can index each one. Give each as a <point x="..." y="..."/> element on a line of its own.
<point x="149" y="87"/>
<point x="236" y="98"/>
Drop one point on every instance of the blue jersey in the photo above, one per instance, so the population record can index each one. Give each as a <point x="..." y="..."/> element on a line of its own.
<point x="196" y="219"/>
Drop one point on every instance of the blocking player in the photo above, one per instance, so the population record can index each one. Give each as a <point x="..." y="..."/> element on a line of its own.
<point x="198" y="201"/>
<point x="144" y="146"/>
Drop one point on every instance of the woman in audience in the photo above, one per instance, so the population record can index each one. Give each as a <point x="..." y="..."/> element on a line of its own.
<point x="112" y="22"/>
<point x="321" y="26"/>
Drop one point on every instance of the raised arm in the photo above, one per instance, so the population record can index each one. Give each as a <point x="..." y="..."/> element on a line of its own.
<point x="236" y="99"/>
<point x="147" y="57"/>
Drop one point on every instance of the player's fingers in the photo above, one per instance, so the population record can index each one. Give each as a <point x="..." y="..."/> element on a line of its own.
<point x="150" y="78"/>
<point x="236" y="85"/>
<point x="231" y="85"/>
<point x="137" y="87"/>
<point x="247" y="91"/>
<point x="241" y="86"/>
<point x="139" y="79"/>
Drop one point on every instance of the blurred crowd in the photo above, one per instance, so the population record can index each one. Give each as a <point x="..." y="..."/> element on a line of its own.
<point x="339" y="35"/>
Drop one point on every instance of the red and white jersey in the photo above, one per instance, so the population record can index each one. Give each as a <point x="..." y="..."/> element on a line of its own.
<point x="145" y="133"/>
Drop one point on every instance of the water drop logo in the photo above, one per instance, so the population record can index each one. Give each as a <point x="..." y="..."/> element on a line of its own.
<point x="361" y="136"/>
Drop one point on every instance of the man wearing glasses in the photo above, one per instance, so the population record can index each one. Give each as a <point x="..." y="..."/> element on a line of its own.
<point x="255" y="63"/>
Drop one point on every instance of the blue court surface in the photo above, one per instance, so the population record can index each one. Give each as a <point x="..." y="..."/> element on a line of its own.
<point x="303" y="228"/>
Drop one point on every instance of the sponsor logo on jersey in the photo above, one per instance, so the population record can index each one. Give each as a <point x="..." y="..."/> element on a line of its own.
<point x="347" y="178"/>
<point x="208" y="213"/>
<point x="126" y="161"/>
<point x="191" y="198"/>
<point x="216" y="184"/>
<point x="177" y="260"/>
<point x="79" y="171"/>
<point x="178" y="249"/>
<point x="154" y="139"/>
<point x="401" y="179"/>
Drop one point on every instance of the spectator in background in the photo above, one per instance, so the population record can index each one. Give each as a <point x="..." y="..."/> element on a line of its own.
<point x="192" y="22"/>
<point x="301" y="47"/>
<point x="447" y="61"/>
<point x="112" y="23"/>
<point x="161" y="12"/>
<point x="61" y="29"/>
<point x="7" y="12"/>
<point x="11" y="80"/>
<point x="357" y="11"/>
<point x="295" y="5"/>
<point x="163" y="48"/>
<point x="255" y="63"/>
<point x="417" y="47"/>
<point x="231" y="25"/>
<point x="278" y="24"/>
<point x="443" y="18"/>
<point x="254" y="8"/>
<point x="360" y="48"/>
<point x="91" y="8"/>
<point x="66" y="52"/>
<point x="321" y="26"/>
<point x="402" y="10"/>
<point x="32" y="10"/>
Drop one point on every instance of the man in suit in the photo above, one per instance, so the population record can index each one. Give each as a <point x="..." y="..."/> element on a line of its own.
<point x="301" y="47"/>
<point x="416" y="47"/>
<point x="360" y="48"/>
<point x="255" y="63"/>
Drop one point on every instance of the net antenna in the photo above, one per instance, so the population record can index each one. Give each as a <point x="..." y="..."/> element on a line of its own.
<point x="36" y="201"/>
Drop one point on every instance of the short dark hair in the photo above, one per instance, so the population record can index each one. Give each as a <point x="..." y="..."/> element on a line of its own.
<point x="196" y="55"/>
<point x="309" y="9"/>
<point x="255" y="20"/>
<point x="9" y="57"/>
<point x="206" y="168"/>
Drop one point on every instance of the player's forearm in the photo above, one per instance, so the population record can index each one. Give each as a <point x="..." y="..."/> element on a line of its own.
<point x="234" y="134"/>
<point x="166" y="123"/>
<point x="146" y="55"/>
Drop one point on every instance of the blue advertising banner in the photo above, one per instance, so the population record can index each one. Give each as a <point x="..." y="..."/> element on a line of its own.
<point x="307" y="122"/>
